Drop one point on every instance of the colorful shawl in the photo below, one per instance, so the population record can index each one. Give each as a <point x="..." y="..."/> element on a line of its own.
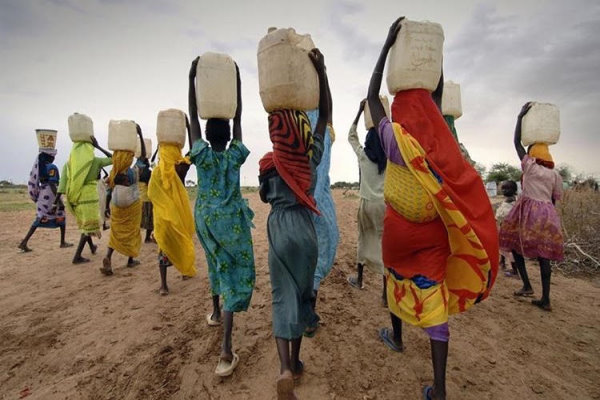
<point x="291" y="135"/>
<point x="173" y="219"/>
<point x="433" y="156"/>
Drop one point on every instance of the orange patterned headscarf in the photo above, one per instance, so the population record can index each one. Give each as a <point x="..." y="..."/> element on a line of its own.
<point x="542" y="155"/>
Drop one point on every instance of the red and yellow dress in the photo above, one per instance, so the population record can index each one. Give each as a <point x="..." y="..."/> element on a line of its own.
<point x="440" y="243"/>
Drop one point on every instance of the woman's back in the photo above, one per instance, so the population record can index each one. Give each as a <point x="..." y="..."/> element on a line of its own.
<point x="540" y="183"/>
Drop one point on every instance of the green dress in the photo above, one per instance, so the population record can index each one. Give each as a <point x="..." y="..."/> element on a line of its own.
<point x="293" y="254"/>
<point x="223" y="222"/>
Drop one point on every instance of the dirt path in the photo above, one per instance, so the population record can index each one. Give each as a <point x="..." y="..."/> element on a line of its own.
<point x="69" y="333"/>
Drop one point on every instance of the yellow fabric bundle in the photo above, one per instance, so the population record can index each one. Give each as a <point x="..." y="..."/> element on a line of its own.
<point x="541" y="152"/>
<point x="122" y="160"/>
<point x="125" y="229"/>
<point x="173" y="220"/>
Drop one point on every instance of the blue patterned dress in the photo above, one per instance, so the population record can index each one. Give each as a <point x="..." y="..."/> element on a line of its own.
<point x="223" y="222"/>
<point x="325" y="224"/>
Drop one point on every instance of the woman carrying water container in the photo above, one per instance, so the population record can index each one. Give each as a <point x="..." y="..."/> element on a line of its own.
<point x="371" y="163"/>
<point x="173" y="219"/>
<point x="223" y="218"/>
<point x="79" y="182"/>
<point x="440" y="245"/>
<point x="125" y="208"/>
<point x="532" y="228"/>
<point x="287" y="179"/>
<point x="326" y="225"/>
<point x="43" y="180"/>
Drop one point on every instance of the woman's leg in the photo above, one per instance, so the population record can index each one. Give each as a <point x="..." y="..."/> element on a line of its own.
<point x="384" y="293"/>
<point x="296" y="364"/>
<point x="23" y="245"/>
<point x="216" y="314"/>
<point x="63" y="243"/>
<point x="164" y="289"/>
<point x="546" y="273"/>
<point x="90" y="242"/>
<point x="520" y="264"/>
<point x="226" y="352"/>
<point x="439" y="356"/>
<point x="106" y="262"/>
<point x="283" y="349"/>
<point x="78" y="259"/>
<point x="397" y="327"/>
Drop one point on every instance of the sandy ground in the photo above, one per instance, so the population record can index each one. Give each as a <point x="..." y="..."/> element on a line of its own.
<point x="67" y="332"/>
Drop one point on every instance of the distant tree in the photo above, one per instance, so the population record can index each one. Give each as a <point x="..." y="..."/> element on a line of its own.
<point x="500" y="172"/>
<point x="565" y="172"/>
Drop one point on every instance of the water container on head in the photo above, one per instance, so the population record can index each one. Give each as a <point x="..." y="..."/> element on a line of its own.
<point x="541" y="124"/>
<point x="46" y="139"/>
<point x="170" y="127"/>
<point x="415" y="59"/>
<point x="451" y="102"/>
<point x="286" y="76"/>
<point x="122" y="135"/>
<point x="367" y="115"/>
<point x="216" y="86"/>
<point x="81" y="128"/>
<point x="138" y="148"/>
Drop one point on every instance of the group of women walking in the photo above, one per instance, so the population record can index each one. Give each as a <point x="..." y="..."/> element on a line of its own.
<point x="425" y="223"/>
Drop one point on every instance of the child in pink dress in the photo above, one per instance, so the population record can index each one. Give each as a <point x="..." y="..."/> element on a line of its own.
<point x="509" y="190"/>
<point x="532" y="228"/>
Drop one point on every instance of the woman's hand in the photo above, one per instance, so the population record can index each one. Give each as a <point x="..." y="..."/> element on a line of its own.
<point x="393" y="32"/>
<point x="525" y="109"/>
<point x="317" y="59"/>
<point x="193" y="67"/>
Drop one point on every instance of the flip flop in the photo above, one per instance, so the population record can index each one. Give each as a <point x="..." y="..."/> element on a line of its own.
<point x="426" y="391"/>
<point x="163" y="292"/>
<point x="212" y="322"/>
<point x="225" y="368"/>
<point x="523" y="293"/>
<point x="353" y="282"/>
<point x="385" y="336"/>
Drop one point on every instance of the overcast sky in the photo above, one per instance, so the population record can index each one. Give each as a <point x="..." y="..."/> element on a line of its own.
<point x="113" y="59"/>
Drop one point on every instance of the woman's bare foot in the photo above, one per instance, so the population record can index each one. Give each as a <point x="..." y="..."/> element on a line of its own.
<point x="66" y="245"/>
<point x="24" y="248"/>
<point x="133" y="263"/>
<point x="544" y="305"/>
<point x="106" y="267"/>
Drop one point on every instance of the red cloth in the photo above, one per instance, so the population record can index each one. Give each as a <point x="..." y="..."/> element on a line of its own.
<point x="413" y="258"/>
<point x="416" y="112"/>
<point x="291" y="135"/>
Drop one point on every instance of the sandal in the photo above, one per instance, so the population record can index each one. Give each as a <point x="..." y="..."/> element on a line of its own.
<point x="212" y="322"/>
<point x="385" y="334"/>
<point x="427" y="392"/>
<point x="354" y="283"/>
<point x="225" y="367"/>
<point x="523" y="293"/>
<point x="311" y="331"/>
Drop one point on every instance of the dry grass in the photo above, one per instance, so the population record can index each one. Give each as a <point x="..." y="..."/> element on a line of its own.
<point x="580" y="217"/>
<point x="15" y="199"/>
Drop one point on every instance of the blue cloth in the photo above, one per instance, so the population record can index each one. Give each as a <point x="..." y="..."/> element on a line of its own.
<point x="223" y="222"/>
<point x="325" y="224"/>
